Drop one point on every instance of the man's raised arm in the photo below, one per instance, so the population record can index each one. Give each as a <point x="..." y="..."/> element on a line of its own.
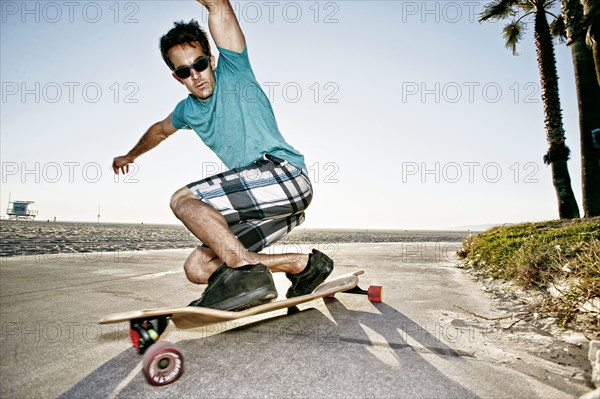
<point x="223" y="25"/>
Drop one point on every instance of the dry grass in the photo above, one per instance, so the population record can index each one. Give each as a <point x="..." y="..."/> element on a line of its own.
<point x="558" y="258"/>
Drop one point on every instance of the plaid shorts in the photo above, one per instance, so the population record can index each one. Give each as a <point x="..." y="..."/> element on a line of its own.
<point x="261" y="202"/>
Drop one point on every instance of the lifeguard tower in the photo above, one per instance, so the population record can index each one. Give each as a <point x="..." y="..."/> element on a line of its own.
<point x="21" y="210"/>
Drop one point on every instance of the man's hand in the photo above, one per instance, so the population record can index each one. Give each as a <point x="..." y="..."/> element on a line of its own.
<point x="153" y="136"/>
<point x="208" y="3"/>
<point x="121" y="163"/>
<point x="211" y="5"/>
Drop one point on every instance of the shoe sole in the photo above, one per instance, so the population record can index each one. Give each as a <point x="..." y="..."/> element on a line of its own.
<point x="264" y="295"/>
<point x="322" y="277"/>
<point x="258" y="302"/>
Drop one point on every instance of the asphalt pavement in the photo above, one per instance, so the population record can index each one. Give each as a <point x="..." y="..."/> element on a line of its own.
<point x="437" y="334"/>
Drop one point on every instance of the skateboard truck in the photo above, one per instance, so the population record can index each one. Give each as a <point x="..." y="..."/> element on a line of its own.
<point x="162" y="361"/>
<point x="145" y="332"/>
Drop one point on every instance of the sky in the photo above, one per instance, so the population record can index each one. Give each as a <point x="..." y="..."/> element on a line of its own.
<point x="410" y="114"/>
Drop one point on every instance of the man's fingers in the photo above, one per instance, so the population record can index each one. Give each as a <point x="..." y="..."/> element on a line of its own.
<point x="124" y="169"/>
<point x="119" y="164"/>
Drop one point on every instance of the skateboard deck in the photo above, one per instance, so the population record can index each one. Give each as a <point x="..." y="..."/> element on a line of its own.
<point x="163" y="362"/>
<point x="193" y="316"/>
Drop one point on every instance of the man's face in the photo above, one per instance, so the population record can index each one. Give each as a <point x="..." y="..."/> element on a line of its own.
<point x="200" y="84"/>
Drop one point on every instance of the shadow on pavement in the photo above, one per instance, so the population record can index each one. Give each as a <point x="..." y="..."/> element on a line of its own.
<point x="306" y="354"/>
<point x="106" y="378"/>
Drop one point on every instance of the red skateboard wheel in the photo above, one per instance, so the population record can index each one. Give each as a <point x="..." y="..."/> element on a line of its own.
<point x="375" y="293"/>
<point x="162" y="363"/>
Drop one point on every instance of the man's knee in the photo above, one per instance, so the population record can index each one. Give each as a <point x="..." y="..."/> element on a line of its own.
<point x="199" y="265"/>
<point x="178" y="199"/>
<point x="194" y="274"/>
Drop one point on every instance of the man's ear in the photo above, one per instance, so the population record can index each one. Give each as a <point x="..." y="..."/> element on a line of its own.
<point x="213" y="62"/>
<point x="176" y="78"/>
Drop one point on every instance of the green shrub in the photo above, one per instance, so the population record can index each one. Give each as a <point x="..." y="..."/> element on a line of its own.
<point x="561" y="256"/>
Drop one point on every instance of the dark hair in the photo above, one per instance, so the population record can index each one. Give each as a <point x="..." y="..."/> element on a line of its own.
<point x="183" y="33"/>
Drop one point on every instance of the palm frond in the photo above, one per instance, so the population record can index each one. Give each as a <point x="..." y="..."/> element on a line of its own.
<point x="536" y="5"/>
<point x="498" y="9"/>
<point x="513" y="33"/>
<point x="548" y="4"/>
<point x="529" y="5"/>
<point x="558" y="28"/>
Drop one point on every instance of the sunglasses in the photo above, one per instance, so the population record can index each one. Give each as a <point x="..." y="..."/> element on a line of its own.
<point x="199" y="65"/>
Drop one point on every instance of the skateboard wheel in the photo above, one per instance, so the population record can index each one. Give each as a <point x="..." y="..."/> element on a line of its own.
<point x="375" y="293"/>
<point x="330" y="296"/>
<point x="162" y="363"/>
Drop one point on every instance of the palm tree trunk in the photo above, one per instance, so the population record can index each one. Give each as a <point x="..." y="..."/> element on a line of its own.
<point x="558" y="152"/>
<point x="588" y="94"/>
<point x="591" y="9"/>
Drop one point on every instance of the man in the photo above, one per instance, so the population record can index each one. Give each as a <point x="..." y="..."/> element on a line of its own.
<point x="261" y="198"/>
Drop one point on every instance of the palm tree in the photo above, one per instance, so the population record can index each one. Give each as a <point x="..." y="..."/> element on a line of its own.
<point x="591" y="9"/>
<point x="558" y="152"/>
<point x="572" y="25"/>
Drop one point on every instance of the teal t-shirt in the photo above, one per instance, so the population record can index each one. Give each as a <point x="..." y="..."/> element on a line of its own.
<point x="237" y="122"/>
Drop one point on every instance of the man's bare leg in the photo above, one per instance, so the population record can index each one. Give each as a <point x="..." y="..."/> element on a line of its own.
<point x="202" y="263"/>
<point x="210" y="227"/>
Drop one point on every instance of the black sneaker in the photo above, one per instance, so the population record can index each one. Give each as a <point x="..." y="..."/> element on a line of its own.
<point x="319" y="267"/>
<point x="238" y="289"/>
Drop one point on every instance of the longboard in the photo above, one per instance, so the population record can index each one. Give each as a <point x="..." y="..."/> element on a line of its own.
<point x="163" y="363"/>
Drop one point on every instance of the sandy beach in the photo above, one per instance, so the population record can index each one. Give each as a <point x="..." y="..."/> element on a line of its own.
<point x="18" y="238"/>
